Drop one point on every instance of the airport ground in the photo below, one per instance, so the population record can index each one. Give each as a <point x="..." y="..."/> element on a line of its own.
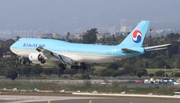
<point x="56" y="86"/>
<point x="84" y="99"/>
<point x="27" y="94"/>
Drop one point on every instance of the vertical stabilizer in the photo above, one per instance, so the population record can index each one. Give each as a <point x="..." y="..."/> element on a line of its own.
<point x="136" y="37"/>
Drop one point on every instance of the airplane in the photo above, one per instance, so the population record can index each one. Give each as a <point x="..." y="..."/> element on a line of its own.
<point x="40" y="50"/>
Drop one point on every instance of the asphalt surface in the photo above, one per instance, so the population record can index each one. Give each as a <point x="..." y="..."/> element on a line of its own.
<point x="80" y="99"/>
<point x="117" y="100"/>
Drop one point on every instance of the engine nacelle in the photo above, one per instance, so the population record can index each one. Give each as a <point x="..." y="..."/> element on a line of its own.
<point x="37" y="58"/>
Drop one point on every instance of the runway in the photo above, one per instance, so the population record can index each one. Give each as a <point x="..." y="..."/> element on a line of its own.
<point x="80" y="99"/>
<point x="40" y="99"/>
<point x="117" y="100"/>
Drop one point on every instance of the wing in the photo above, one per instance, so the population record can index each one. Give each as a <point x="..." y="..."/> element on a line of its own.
<point x="47" y="54"/>
<point x="158" y="47"/>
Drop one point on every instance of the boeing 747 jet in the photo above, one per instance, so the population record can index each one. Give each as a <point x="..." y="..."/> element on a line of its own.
<point x="40" y="50"/>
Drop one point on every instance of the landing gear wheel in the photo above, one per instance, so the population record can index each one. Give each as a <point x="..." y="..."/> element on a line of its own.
<point x="83" y="66"/>
<point x="74" y="67"/>
<point x="63" y="67"/>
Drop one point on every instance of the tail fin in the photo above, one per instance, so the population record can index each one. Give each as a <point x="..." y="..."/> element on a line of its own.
<point x="136" y="37"/>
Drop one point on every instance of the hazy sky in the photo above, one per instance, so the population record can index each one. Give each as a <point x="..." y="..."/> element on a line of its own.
<point x="73" y="15"/>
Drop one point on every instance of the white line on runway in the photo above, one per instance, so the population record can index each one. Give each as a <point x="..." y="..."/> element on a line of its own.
<point x="127" y="95"/>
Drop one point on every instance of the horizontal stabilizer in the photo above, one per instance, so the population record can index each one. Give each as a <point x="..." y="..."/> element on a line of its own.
<point x="126" y="50"/>
<point x="158" y="47"/>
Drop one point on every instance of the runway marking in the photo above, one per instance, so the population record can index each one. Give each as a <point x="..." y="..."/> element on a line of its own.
<point x="49" y="101"/>
<point x="90" y="101"/>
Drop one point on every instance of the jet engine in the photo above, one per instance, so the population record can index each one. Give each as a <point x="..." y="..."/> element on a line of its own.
<point x="37" y="58"/>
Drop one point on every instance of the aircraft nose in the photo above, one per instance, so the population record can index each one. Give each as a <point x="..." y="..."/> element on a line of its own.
<point x="15" y="47"/>
<point x="12" y="47"/>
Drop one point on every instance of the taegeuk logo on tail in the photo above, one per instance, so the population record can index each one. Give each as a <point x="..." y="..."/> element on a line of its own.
<point x="137" y="35"/>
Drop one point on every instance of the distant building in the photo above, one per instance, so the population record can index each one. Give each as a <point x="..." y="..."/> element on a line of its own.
<point x="123" y="29"/>
<point x="123" y="25"/>
<point x="99" y="36"/>
<point x="6" y="55"/>
<point x="79" y="35"/>
<point x="55" y="35"/>
<point x="48" y="35"/>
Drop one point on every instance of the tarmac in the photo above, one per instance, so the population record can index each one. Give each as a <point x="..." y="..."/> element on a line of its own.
<point x="82" y="99"/>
